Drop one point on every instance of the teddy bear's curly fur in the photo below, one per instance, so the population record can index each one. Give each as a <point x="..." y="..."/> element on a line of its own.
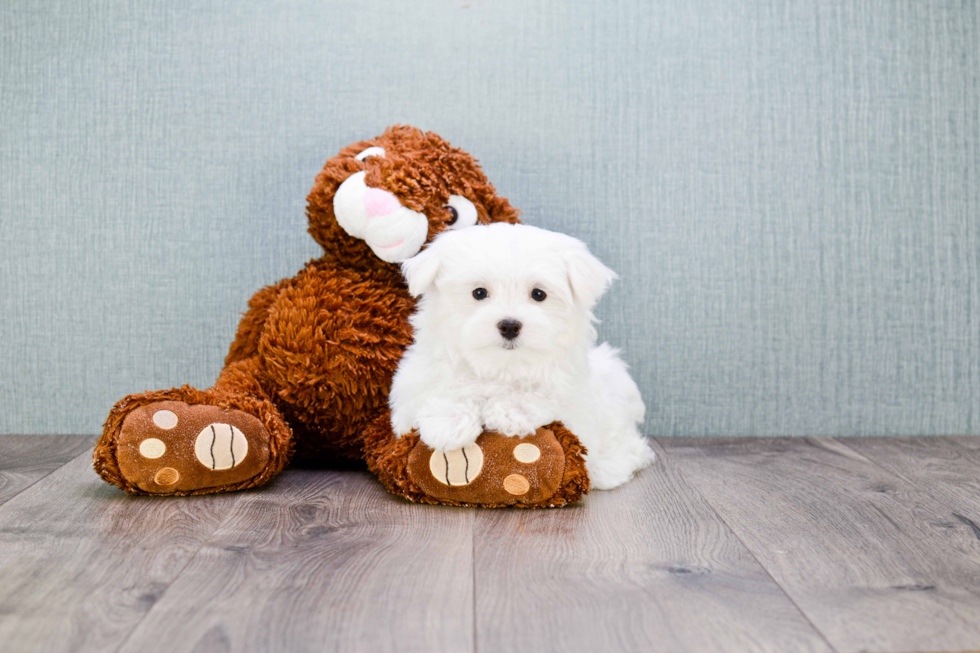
<point x="308" y="374"/>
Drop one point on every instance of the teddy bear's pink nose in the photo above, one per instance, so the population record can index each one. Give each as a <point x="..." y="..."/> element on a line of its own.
<point x="380" y="202"/>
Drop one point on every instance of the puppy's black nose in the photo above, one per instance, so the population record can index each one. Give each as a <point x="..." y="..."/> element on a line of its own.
<point x="509" y="329"/>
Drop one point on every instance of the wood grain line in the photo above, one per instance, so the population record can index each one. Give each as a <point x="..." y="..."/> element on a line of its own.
<point x="26" y="459"/>
<point x="874" y="562"/>
<point x="648" y="566"/>
<point x="324" y="560"/>
<point x="82" y="563"/>
<point x="945" y="468"/>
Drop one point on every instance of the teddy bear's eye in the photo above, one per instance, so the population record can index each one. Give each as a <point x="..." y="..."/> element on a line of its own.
<point x="480" y="294"/>
<point x="453" y="216"/>
<point x="371" y="151"/>
<point x="538" y="295"/>
<point x="462" y="212"/>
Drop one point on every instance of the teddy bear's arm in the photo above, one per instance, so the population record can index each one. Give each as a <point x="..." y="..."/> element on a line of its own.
<point x="333" y="338"/>
<point x="246" y="343"/>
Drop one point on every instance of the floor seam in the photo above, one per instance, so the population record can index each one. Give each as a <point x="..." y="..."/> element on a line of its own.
<point x="41" y="478"/>
<point x="473" y="563"/>
<point x="902" y="477"/>
<point x="908" y="481"/>
<point x="874" y="461"/>
<point x="177" y="576"/>
<point x="738" y="537"/>
<point x="190" y="558"/>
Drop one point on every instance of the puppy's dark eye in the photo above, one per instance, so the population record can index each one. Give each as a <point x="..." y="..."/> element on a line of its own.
<point x="538" y="295"/>
<point x="453" y="215"/>
<point x="480" y="293"/>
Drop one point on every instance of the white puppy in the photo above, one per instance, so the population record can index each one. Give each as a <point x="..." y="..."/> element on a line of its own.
<point x="504" y="339"/>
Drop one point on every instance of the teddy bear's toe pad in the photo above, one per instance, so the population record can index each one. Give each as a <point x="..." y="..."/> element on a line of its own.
<point x="457" y="467"/>
<point x="170" y="446"/>
<point x="497" y="470"/>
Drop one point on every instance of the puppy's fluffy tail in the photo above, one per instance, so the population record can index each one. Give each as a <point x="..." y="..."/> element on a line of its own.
<point x="613" y="378"/>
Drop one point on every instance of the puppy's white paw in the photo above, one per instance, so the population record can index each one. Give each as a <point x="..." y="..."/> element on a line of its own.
<point x="401" y="423"/>
<point x="513" y="418"/>
<point x="446" y="426"/>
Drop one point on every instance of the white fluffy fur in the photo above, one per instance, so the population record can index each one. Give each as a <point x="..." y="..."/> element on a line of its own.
<point x="460" y="375"/>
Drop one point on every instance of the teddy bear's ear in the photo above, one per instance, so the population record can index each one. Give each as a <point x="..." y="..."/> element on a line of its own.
<point x="587" y="276"/>
<point x="422" y="270"/>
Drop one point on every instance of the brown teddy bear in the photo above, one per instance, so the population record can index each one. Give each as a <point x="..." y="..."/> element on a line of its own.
<point x="309" y="371"/>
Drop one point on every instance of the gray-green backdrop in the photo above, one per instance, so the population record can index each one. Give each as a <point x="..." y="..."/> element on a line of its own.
<point x="789" y="190"/>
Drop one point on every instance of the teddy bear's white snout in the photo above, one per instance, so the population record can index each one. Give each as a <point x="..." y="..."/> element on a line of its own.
<point x="393" y="232"/>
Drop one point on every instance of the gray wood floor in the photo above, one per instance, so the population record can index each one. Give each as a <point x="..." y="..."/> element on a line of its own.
<point x="724" y="545"/>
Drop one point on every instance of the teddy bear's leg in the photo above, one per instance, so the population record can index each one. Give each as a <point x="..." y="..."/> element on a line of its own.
<point x="544" y="470"/>
<point x="188" y="441"/>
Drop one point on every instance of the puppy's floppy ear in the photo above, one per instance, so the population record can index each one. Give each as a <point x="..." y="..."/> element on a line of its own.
<point x="422" y="270"/>
<point x="587" y="276"/>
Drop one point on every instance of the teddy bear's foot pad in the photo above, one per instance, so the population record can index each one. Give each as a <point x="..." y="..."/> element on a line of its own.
<point x="169" y="447"/>
<point x="496" y="471"/>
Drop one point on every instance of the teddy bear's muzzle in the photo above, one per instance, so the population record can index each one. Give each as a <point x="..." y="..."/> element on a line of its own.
<point x="392" y="231"/>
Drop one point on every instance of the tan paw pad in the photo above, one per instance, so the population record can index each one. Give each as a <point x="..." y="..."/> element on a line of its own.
<point x="457" y="467"/>
<point x="167" y="476"/>
<point x="152" y="448"/>
<point x="220" y="446"/>
<point x="516" y="484"/>
<point x="165" y="419"/>
<point x="526" y="453"/>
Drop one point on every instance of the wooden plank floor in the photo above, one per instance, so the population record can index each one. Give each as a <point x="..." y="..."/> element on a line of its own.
<point x="26" y="459"/>
<point x="875" y="563"/>
<point x="724" y="545"/>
